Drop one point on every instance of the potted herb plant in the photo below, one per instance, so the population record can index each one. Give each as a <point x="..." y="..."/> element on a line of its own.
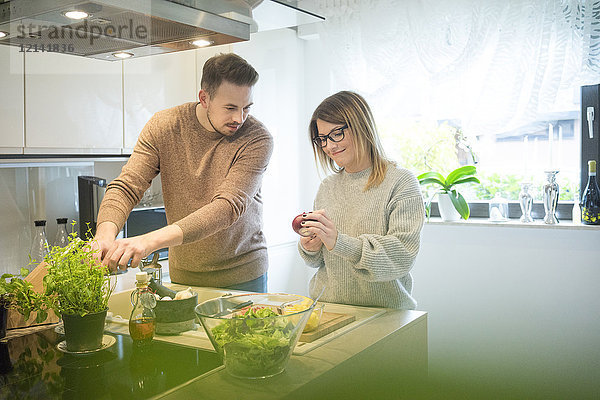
<point x="17" y="293"/>
<point x="451" y="203"/>
<point x="77" y="287"/>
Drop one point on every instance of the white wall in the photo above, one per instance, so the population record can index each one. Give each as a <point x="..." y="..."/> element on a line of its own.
<point x="278" y="102"/>
<point x="510" y="304"/>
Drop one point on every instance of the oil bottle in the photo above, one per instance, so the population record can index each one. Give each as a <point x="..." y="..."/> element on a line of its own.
<point x="142" y="320"/>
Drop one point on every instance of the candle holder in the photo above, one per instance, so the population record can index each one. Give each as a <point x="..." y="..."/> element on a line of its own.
<point x="526" y="202"/>
<point x="550" y="192"/>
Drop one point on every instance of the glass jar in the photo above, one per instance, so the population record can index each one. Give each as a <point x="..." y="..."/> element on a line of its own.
<point x="498" y="209"/>
<point x="576" y="212"/>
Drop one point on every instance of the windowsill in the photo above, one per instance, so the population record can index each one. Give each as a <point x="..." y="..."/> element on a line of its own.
<point x="514" y="223"/>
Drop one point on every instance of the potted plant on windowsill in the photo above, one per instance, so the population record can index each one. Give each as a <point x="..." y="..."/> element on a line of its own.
<point x="77" y="287"/>
<point x="451" y="203"/>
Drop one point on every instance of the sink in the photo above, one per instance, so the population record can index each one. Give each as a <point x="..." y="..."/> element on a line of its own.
<point x="120" y="303"/>
<point x="119" y="307"/>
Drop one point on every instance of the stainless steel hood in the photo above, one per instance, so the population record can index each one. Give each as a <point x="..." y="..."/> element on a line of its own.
<point x="137" y="28"/>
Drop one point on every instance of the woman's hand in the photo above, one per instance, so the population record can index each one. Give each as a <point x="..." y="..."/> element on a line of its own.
<point x="311" y="243"/>
<point x="322" y="227"/>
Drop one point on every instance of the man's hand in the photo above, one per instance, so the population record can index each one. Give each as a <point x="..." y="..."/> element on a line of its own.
<point x="104" y="239"/>
<point x="322" y="227"/>
<point x="123" y="250"/>
<point x="138" y="247"/>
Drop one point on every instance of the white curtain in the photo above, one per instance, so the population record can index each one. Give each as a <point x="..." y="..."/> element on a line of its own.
<point x="493" y="65"/>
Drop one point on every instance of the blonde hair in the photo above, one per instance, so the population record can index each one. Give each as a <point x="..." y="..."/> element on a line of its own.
<point x="351" y="109"/>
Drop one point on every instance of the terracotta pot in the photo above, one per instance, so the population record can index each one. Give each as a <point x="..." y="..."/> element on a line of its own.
<point x="84" y="333"/>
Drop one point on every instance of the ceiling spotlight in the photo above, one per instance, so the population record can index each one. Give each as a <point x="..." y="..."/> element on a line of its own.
<point x="202" y="43"/>
<point x="123" y="54"/>
<point x="76" y="14"/>
<point x="3" y="34"/>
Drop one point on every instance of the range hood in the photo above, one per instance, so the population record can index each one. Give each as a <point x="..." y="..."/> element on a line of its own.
<point x="115" y="29"/>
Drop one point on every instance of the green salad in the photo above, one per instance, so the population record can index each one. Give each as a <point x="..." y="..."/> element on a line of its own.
<point x="255" y="342"/>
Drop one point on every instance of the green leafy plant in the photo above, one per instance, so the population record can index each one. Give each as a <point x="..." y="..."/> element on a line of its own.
<point x="256" y="342"/>
<point x="76" y="282"/>
<point x="446" y="186"/>
<point x="18" y="294"/>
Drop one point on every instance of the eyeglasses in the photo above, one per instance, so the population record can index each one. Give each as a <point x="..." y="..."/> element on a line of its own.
<point x="336" y="135"/>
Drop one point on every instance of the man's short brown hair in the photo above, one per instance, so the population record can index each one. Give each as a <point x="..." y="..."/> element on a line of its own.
<point x="227" y="67"/>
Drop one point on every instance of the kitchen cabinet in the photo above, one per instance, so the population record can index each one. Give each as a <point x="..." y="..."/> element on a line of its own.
<point x="11" y="100"/>
<point x="151" y="84"/>
<point x="73" y="105"/>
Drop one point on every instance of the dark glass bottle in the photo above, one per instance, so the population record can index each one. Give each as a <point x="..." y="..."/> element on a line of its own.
<point x="590" y="201"/>
<point x="142" y="321"/>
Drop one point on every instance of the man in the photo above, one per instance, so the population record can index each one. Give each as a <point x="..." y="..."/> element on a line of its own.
<point x="211" y="156"/>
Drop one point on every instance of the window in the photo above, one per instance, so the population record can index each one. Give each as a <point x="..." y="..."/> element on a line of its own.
<point x="455" y="83"/>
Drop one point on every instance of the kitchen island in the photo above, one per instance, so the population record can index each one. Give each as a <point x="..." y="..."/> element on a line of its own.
<point x="380" y="359"/>
<point x="383" y="354"/>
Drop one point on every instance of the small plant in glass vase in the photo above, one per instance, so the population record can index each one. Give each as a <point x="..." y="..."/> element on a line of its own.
<point x="451" y="203"/>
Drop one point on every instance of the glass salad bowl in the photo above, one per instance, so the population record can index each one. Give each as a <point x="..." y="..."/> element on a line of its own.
<point x="253" y="333"/>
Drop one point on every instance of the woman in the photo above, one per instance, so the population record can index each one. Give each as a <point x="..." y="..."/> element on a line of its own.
<point x="369" y="213"/>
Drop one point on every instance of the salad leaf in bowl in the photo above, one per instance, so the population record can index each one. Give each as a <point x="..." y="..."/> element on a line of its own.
<point x="253" y="335"/>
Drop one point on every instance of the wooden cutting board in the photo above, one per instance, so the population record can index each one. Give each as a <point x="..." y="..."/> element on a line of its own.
<point x="329" y="323"/>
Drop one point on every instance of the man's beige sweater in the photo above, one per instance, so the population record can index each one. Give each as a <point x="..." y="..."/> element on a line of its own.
<point x="211" y="189"/>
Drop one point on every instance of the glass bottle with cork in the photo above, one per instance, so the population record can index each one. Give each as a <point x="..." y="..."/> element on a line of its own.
<point x="142" y="321"/>
<point x="590" y="201"/>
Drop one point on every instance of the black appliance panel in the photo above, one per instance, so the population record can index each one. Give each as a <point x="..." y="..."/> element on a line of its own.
<point x="590" y="146"/>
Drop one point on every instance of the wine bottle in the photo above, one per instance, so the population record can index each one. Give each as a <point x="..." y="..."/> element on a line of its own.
<point x="590" y="201"/>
